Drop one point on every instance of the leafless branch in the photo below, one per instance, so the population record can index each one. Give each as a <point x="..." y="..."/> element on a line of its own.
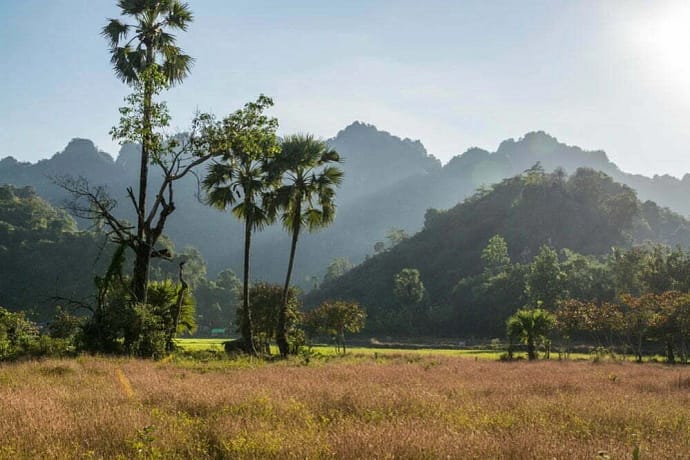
<point x="94" y="203"/>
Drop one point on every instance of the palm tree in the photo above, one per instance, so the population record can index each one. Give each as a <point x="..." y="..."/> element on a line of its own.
<point x="240" y="178"/>
<point x="530" y="326"/>
<point x="305" y="199"/>
<point x="137" y="51"/>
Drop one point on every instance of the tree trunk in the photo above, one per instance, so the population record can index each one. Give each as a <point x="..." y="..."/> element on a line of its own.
<point x="178" y="311"/>
<point x="281" y="334"/>
<point x="246" y="320"/>
<point x="670" y="356"/>
<point x="531" y="355"/>
<point x="140" y="276"/>
<point x="639" y="348"/>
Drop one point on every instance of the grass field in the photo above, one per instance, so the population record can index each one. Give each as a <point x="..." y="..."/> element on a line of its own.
<point x="195" y="345"/>
<point x="325" y="350"/>
<point x="389" y="405"/>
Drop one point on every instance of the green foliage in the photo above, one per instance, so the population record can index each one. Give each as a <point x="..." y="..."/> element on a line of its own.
<point x="308" y="178"/>
<point x="266" y="302"/>
<point x="408" y="287"/>
<point x="122" y="326"/>
<point x="146" y="44"/>
<point x="337" y="268"/>
<point x="476" y="281"/>
<point x="495" y="256"/>
<point x="395" y="236"/>
<point x="409" y="290"/>
<point x="531" y="327"/>
<point x="305" y="198"/>
<point x="142" y="119"/>
<point x="334" y="318"/>
<point x="43" y="256"/>
<point x="64" y="325"/>
<point x="546" y="281"/>
<point x="18" y="336"/>
<point x="244" y="144"/>
<point x="217" y="301"/>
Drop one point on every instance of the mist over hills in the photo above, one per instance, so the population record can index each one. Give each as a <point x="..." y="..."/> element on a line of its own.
<point x="389" y="182"/>
<point x="587" y="213"/>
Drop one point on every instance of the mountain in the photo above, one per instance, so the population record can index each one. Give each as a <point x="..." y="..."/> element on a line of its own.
<point x="389" y="182"/>
<point x="43" y="255"/>
<point x="375" y="160"/>
<point x="587" y="213"/>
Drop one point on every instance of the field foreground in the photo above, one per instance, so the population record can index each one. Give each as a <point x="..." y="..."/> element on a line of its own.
<point x="393" y="406"/>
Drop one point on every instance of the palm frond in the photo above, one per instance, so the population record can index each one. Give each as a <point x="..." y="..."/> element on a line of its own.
<point x="134" y="7"/>
<point x="179" y="15"/>
<point x="177" y="67"/>
<point x="114" y="31"/>
<point x="127" y="63"/>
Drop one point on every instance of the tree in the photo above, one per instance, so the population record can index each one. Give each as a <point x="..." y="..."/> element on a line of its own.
<point x="144" y="55"/>
<point x="175" y="308"/>
<point x="408" y="287"/>
<point x="409" y="290"/>
<point x="267" y="303"/>
<point x="495" y="256"/>
<point x="546" y="280"/>
<point x="568" y="321"/>
<point x="176" y="157"/>
<point x="305" y="199"/>
<point x="334" y="318"/>
<point x="18" y="335"/>
<point x="337" y="268"/>
<point x="530" y="326"/>
<point x="217" y="301"/>
<point x="396" y="236"/>
<point x="639" y="319"/>
<point x="245" y="143"/>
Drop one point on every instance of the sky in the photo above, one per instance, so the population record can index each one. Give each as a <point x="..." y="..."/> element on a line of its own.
<point x="611" y="75"/>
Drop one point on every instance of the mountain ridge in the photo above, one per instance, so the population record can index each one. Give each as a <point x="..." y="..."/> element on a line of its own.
<point x="389" y="182"/>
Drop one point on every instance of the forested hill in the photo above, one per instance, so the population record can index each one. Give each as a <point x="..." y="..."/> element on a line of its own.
<point x="389" y="182"/>
<point x="43" y="255"/>
<point x="587" y="213"/>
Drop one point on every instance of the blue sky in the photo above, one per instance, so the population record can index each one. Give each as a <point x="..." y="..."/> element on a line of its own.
<point x="609" y="75"/>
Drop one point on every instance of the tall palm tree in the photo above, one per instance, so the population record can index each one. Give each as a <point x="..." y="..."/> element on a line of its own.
<point x="137" y="50"/>
<point x="240" y="179"/>
<point x="305" y="199"/>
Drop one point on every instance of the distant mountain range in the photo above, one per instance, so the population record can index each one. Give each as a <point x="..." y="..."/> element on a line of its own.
<point x="389" y="182"/>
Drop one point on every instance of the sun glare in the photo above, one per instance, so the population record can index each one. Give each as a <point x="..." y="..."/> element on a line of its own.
<point x="662" y="42"/>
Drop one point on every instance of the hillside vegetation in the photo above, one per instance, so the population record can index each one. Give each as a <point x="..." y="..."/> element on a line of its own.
<point x="587" y="213"/>
<point x="43" y="254"/>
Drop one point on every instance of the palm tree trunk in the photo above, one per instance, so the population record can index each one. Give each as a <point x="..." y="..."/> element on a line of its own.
<point x="140" y="276"/>
<point x="281" y="334"/>
<point x="531" y="355"/>
<point x="246" y="321"/>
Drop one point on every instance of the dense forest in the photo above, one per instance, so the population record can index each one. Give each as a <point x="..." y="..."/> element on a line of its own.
<point x="536" y="238"/>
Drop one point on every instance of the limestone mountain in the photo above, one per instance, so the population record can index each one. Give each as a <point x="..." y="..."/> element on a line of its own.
<point x="389" y="182"/>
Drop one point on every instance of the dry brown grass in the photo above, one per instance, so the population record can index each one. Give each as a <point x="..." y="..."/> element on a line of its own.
<point x="399" y="407"/>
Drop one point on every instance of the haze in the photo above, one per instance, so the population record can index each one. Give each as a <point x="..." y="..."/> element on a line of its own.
<point x="602" y="75"/>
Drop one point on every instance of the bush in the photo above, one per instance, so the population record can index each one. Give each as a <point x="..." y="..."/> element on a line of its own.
<point x="18" y="336"/>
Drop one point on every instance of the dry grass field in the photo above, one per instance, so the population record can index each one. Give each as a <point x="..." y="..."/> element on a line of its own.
<point x="392" y="406"/>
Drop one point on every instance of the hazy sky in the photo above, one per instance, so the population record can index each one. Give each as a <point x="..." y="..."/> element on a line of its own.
<point x="611" y="75"/>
